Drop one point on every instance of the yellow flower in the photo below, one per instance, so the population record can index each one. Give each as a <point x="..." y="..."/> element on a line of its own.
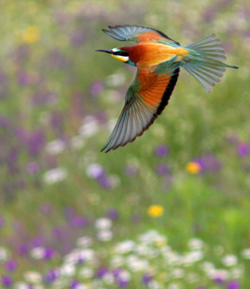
<point x="31" y="34"/>
<point x="193" y="168"/>
<point x="155" y="211"/>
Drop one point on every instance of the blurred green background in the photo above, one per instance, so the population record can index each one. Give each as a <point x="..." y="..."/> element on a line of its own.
<point x="59" y="101"/>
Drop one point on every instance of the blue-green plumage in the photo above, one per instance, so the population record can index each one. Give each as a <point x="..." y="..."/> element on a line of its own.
<point x="158" y="59"/>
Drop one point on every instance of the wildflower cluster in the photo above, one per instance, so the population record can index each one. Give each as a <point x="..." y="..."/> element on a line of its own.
<point x="149" y="260"/>
<point x="70" y="216"/>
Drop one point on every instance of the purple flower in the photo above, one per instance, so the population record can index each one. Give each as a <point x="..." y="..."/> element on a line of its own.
<point x="35" y="142"/>
<point x="116" y="272"/>
<point x="243" y="149"/>
<point x="10" y="265"/>
<point x="112" y="214"/>
<point x="122" y="283"/>
<point x="233" y="284"/>
<point x="219" y="280"/>
<point x="78" y="221"/>
<point x="6" y="281"/>
<point x="32" y="168"/>
<point x="101" y="272"/>
<point x="105" y="182"/>
<point x="161" y="150"/>
<point x="49" y="253"/>
<point x="38" y="241"/>
<point x="74" y="284"/>
<point x="23" y="78"/>
<point x="51" y="275"/>
<point x="23" y="249"/>
<point x="162" y="169"/>
<point x="208" y="163"/>
<point x="146" y="278"/>
<point x="96" y="87"/>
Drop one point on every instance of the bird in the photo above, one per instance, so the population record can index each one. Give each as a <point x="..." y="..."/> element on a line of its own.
<point x="158" y="59"/>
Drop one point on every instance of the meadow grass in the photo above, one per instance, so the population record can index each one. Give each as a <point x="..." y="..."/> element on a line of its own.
<point x="170" y="210"/>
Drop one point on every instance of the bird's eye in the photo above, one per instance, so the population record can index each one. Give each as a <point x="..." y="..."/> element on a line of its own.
<point x="121" y="53"/>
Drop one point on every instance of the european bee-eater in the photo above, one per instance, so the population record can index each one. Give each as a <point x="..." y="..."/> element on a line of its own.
<point x="158" y="59"/>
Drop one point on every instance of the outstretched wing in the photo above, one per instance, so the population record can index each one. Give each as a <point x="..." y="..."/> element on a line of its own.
<point x="136" y="33"/>
<point x="145" y="100"/>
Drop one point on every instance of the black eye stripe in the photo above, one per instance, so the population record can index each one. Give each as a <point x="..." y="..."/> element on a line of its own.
<point x="121" y="53"/>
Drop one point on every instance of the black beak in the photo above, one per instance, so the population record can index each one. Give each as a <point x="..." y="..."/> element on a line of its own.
<point x="105" y="50"/>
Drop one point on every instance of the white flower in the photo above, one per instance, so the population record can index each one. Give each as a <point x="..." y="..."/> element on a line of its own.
<point x="89" y="127"/>
<point x="67" y="270"/>
<point x="192" y="257"/>
<point x="195" y="244"/>
<point x="94" y="171"/>
<point x="104" y="235"/>
<point x="108" y="278"/>
<point x="142" y="250"/>
<point x="229" y="260"/>
<point x="81" y="286"/>
<point x="73" y="257"/>
<point x="192" y="277"/>
<point x="3" y="254"/>
<point x="103" y="224"/>
<point x="55" y="175"/>
<point x="87" y="254"/>
<point x="86" y="272"/>
<point x="207" y="267"/>
<point x="125" y="247"/>
<point x="154" y="285"/>
<point x="84" y="241"/>
<point x="236" y="273"/>
<point x="219" y="274"/>
<point x="37" y="253"/>
<point x="117" y="261"/>
<point x="124" y="275"/>
<point x="173" y="286"/>
<point x="246" y="253"/>
<point x="33" y="277"/>
<point x="178" y="273"/>
<point x="55" y="147"/>
<point x="136" y="264"/>
<point x="149" y="236"/>
<point x="161" y="241"/>
<point x="172" y="258"/>
<point x="76" y="142"/>
<point x="22" y="285"/>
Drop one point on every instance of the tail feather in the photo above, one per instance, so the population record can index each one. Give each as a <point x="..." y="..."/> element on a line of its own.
<point x="204" y="61"/>
<point x="209" y="47"/>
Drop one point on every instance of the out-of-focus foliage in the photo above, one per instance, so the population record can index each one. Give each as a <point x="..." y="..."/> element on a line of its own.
<point x="72" y="217"/>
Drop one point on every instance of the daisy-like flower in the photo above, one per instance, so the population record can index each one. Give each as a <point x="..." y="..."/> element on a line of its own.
<point x="103" y="224"/>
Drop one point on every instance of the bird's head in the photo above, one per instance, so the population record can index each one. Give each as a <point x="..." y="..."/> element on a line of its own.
<point x="119" y="54"/>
